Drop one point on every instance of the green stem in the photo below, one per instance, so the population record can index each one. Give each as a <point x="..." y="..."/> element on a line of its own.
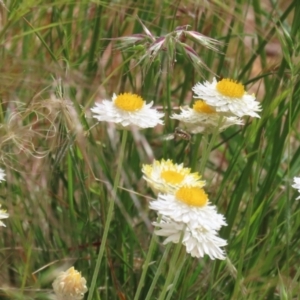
<point x="180" y="264"/>
<point x="174" y="263"/>
<point x="239" y="278"/>
<point x="204" y="155"/>
<point x="195" y="152"/>
<point x="158" y="271"/>
<point x="146" y="265"/>
<point x="70" y="188"/>
<point x="109" y="215"/>
<point x="209" y="145"/>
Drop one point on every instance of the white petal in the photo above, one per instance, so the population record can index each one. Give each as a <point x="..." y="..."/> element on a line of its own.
<point x="198" y="241"/>
<point x="244" y="106"/>
<point x="206" y="217"/>
<point x="146" y="117"/>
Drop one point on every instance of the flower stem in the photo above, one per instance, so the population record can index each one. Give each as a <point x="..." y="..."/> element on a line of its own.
<point x="174" y="264"/>
<point x="204" y="156"/>
<point x="209" y="145"/>
<point x="158" y="271"/>
<point x="180" y="264"/>
<point x="195" y="153"/>
<point x="109" y="215"/>
<point x="146" y="264"/>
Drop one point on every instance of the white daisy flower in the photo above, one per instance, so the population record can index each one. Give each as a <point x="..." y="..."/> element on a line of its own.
<point x="203" y="118"/>
<point x="166" y="177"/>
<point x="228" y="97"/>
<point x="190" y="206"/>
<point x="70" y="285"/>
<point x="198" y="241"/>
<point x="2" y="175"/>
<point x="3" y="215"/>
<point x="126" y="110"/>
<point x="296" y="185"/>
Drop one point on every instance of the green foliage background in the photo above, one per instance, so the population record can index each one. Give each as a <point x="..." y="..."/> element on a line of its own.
<point x="57" y="59"/>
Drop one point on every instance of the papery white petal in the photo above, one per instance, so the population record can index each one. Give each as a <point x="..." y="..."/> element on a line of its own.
<point x="205" y="217"/>
<point x="244" y="106"/>
<point x="198" y="122"/>
<point x="296" y="185"/>
<point x="146" y="117"/>
<point x="3" y="215"/>
<point x="198" y="241"/>
<point x="69" y="285"/>
<point x="153" y="175"/>
<point x="2" y="175"/>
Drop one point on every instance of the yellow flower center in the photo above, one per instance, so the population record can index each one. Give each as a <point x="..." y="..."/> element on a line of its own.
<point x="129" y="102"/>
<point x="69" y="285"/>
<point x="172" y="177"/>
<point x="193" y="196"/>
<point x="73" y="279"/>
<point x="201" y="107"/>
<point x="230" y="88"/>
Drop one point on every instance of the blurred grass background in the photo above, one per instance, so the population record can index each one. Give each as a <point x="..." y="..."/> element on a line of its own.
<point x="57" y="59"/>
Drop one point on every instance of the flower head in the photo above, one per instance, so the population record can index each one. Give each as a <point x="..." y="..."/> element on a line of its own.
<point x="296" y="185"/>
<point x="189" y="205"/>
<point x="198" y="241"/>
<point x="2" y="174"/>
<point x="3" y="215"/>
<point x="126" y="110"/>
<point x="228" y="97"/>
<point x="203" y="118"/>
<point x="187" y="213"/>
<point x="166" y="177"/>
<point x="70" y="285"/>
